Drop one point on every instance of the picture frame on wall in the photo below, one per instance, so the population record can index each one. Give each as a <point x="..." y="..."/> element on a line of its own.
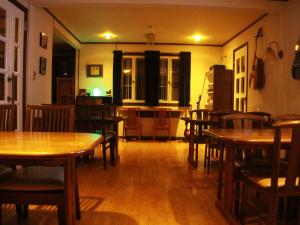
<point x="43" y="40"/>
<point x="94" y="70"/>
<point x="43" y="66"/>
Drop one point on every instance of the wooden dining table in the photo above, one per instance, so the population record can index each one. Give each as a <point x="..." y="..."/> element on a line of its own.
<point x="44" y="148"/>
<point x="228" y="140"/>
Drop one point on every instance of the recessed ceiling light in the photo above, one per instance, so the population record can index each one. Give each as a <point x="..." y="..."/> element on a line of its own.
<point x="197" y="38"/>
<point x="108" y="35"/>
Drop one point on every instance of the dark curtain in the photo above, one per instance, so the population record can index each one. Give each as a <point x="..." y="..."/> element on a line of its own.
<point x="184" y="78"/>
<point x="117" y="76"/>
<point x="152" y="70"/>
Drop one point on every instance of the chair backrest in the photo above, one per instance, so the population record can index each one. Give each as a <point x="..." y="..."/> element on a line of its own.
<point x="49" y="118"/>
<point x="7" y="117"/>
<point x="240" y="120"/>
<point x="216" y="117"/>
<point x="132" y="116"/>
<point x="292" y="163"/>
<point x="200" y="114"/>
<point x="285" y="117"/>
<point x="162" y="117"/>
<point x="267" y="116"/>
<point x="91" y="119"/>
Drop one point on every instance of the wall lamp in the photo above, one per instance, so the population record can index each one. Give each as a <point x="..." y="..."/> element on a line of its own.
<point x="296" y="63"/>
<point x="270" y="53"/>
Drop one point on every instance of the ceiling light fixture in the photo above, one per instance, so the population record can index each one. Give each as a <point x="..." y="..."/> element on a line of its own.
<point x="197" y="38"/>
<point x="107" y="36"/>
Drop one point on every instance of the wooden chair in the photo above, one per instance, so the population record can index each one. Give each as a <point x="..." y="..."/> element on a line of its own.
<point x="279" y="180"/>
<point x="198" y="137"/>
<point x="132" y="122"/>
<point x="7" y="117"/>
<point x="284" y="117"/>
<point x="44" y="184"/>
<point x="91" y="119"/>
<point x="245" y="158"/>
<point x="162" y="121"/>
<point x="267" y="116"/>
<point x="212" y="148"/>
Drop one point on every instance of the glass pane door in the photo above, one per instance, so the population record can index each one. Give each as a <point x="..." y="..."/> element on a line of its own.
<point x="11" y="56"/>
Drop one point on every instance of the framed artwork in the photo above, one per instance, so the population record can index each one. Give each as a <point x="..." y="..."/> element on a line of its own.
<point x="43" y="65"/>
<point x="94" y="70"/>
<point x="43" y="40"/>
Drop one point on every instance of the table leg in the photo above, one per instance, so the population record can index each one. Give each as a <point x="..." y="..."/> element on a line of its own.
<point x="69" y="177"/>
<point x="191" y="144"/>
<point x="116" y="125"/>
<point x="229" y="181"/>
<point x="220" y="176"/>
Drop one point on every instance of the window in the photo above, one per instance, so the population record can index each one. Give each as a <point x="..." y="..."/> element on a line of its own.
<point x="133" y="79"/>
<point x="169" y="78"/>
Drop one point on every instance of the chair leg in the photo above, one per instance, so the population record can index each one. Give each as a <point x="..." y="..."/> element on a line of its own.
<point x="0" y="214"/>
<point x="205" y="156"/>
<point x="123" y="134"/>
<point x="237" y="198"/>
<point x="60" y="215"/>
<point x="196" y="159"/>
<point x="104" y="154"/>
<point x="208" y="160"/>
<point x="243" y="203"/>
<point x="140" y="133"/>
<point x="77" y="200"/>
<point x="112" y="152"/>
<point x="25" y="211"/>
<point x="19" y="210"/>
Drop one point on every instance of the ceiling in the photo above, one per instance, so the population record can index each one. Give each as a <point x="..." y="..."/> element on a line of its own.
<point x="171" y="23"/>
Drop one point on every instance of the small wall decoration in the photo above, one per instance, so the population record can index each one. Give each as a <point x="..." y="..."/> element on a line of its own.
<point x="95" y="70"/>
<point x="43" y="65"/>
<point x="43" y="40"/>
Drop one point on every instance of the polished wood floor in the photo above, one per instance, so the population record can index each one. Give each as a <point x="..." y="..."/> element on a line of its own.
<point x="151" y="185"/>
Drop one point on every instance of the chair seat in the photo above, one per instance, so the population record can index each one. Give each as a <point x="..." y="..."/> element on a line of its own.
<point x="5" y="170"/>
<point x="35" y="178"/>
<point x="262" y="177"/>
<point x="260" y="162"/>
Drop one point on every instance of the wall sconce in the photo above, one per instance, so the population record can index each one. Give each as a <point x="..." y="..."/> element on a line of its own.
<point x="270" y="53"/>
<point x="296" y="63"/>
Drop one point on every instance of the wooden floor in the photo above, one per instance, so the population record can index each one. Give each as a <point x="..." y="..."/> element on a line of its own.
<point x="151" y="185"/>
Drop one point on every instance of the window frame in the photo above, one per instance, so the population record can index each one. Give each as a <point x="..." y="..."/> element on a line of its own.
<point x="134" y="76"/>
<point x="133" y="79"/>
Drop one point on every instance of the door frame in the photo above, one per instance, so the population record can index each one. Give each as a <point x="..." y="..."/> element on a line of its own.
<point x="246" y="44"/>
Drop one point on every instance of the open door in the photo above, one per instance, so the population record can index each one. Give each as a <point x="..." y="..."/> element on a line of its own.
<point x="11" y="57"/>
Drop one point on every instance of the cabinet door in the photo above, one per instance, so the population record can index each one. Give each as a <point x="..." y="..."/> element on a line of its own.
<point x="65" y="91"/>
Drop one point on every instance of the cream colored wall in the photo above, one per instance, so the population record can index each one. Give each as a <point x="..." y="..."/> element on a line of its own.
<point x="38" y="86"/>
<point x="281" y="93"/>
<point x="202" y="59"/>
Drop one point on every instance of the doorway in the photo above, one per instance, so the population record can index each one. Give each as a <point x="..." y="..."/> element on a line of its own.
<point x="240" y="68"/>
<point x="63" y="71"/>
<point x="11" y="57"/>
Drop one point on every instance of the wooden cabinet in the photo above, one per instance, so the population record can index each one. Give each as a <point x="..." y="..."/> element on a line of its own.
<point x="220" y="88"/>
<point x="65" y="91"/>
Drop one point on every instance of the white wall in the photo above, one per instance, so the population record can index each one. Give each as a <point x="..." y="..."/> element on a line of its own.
<point x="38" y="86"/>
<point x="281" y="93"/>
